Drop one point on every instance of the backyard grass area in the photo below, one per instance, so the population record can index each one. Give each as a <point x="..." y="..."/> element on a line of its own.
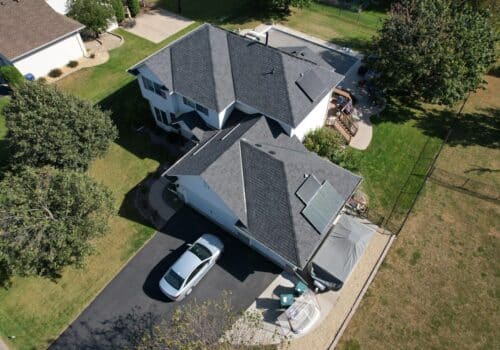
<point x="338" y="25"/>
<point x="36" y="310"/>
<point x="394" y="165"/>
<point x="440" y="285"/>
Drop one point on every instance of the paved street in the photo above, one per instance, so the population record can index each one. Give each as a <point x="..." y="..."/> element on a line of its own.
<point x="133" y="300"/>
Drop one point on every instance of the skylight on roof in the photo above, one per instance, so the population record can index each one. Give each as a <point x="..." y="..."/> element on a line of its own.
<point x="310" y="84"/>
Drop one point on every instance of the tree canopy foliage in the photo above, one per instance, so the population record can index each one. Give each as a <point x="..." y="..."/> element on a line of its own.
<point x="94" y="14"/>
<point x="11" y="75"/>
<point x="118" y="10"/>
<point x="434" y="50"/>
<point x="47" y="217"/>
<point x="48" y="127"/>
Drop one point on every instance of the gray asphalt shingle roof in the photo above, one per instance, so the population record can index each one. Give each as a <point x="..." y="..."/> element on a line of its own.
<point x="256" y="169"/>
<point x="215" y="68"/>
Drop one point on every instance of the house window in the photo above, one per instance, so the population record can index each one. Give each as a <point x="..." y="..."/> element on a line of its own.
<point x="188" y="102"/>
<point x="148" y="84"/>
<point x="161" y="116"/>
<point x="160" y="90"/>
<point x="201" y="109"/>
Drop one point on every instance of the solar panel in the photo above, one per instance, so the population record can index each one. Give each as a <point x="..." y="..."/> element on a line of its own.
<point x="308" y="189"/>
<point x="323" y="207"/>
<point x="310" y="84"/>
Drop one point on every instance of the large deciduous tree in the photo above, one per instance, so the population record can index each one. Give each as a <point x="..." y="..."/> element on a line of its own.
<point x="47" y="217"/>
<point x="434" y="50"/>
<point x="94" y="14"/>
<point x="48" y="127"/>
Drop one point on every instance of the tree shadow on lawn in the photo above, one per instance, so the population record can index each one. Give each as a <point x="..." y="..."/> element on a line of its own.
<point x="479" y="128"/>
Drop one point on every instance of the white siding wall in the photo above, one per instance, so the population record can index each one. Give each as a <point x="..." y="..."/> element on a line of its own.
<point x="40" y="62"/>
<point x="198" y="195"/>
<point x="314" y="120"/>
<point x="60" y="6"/>
<point x="174" y="103"/>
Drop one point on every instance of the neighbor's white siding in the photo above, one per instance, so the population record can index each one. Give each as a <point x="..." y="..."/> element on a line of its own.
<point x="56" y="55"/>
<point x="60" y="6"/>
<point x="314" y="120"/>
<point x="196" y="193"/>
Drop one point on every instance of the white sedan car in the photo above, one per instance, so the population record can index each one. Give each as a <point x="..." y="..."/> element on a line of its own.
<point x="190" y="268"/>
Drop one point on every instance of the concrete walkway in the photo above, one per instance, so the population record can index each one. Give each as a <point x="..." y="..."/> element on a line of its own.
<point x="157" y="25"/>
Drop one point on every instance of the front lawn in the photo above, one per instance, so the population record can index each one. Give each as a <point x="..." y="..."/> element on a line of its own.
<point x="95" y="83"/>
<point x="35" y="310"/>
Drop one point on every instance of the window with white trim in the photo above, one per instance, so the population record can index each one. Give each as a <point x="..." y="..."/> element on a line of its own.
<point x="202" y="109"/>
<point x="148" y="84"/>
<point x="188" y="102"/>
<point x="161" y="116"/>
<point x="160" y="90"/>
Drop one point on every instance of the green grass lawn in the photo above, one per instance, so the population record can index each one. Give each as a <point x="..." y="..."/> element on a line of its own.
<point x="331" y="23"/>
<point x="394" y="165"/>
<point x="439" y="286"/>
<point x="95" y="83"/>
<point x="36" y="310"/>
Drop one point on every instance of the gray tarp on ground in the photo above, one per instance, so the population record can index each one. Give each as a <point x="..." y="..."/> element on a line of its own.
<point x="343" y="248"/>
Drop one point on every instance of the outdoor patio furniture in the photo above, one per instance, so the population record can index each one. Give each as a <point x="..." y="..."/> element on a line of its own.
<point x="300" y="288"/>
<point x="286" y="300"/>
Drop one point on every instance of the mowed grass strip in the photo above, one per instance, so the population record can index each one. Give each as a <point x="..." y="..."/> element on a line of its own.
<point x="35" y="310"/>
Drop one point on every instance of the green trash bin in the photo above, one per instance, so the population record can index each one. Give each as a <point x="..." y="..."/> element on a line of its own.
<point x="286" y="300"/>
<point x="300" y="288"/>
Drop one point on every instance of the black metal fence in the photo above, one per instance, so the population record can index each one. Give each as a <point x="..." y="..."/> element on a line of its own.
<point x="410" y="190"/>
<point x="465" y="184"/>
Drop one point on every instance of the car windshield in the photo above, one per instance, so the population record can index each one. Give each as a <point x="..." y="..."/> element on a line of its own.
<point x="200" y="251"/>
<point x="174" y="279"/>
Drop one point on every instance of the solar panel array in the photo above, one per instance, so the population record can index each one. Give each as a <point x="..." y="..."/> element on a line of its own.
<point x="323" y="207"/>
<point x="308" y="189"/>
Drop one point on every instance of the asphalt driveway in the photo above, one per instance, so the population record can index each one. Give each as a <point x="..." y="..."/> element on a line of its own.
<point x="132" y="301"/>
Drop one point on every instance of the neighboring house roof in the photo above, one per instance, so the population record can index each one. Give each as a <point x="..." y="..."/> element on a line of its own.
<point x="216" y="67"/>
<point x="256" y="169"/>
<point x="27" y="25"/>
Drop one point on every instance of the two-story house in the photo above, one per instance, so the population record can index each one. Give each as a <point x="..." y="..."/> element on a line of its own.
<point x="247" y="106"/>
